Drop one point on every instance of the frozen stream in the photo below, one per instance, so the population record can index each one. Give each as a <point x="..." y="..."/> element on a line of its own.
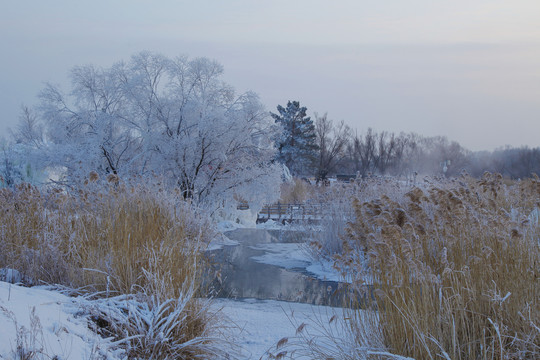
<point x="269" y="264"/>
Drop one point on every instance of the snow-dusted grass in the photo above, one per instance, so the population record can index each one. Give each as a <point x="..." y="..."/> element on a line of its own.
<point x="456" y="268"/>
<point x="147" y="326"/>
<point x="101" y="240"/>
<point x="327" y="238"/>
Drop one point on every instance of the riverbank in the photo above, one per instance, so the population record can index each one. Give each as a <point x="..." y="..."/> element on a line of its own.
<point x="48" y="324"/>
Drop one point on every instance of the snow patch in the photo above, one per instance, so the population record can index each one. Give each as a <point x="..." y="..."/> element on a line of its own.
<point x="219" y="242"/>
<point x="324" y="269"/>
<point x="228" y="225"/>
<point x="53" y="325"/>
<point x="260" y="324"/>
<point x="270" y="225"/>
<point x="47" y="323"/>
<point x="294" y="256"/>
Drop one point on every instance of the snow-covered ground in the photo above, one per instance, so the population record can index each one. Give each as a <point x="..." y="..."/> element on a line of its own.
<point x="261" y="324"/>
<point x="45" y="323"/>
<point x="52" y="325"/>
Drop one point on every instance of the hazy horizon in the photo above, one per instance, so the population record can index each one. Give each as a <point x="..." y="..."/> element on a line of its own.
<point x="466" y="71"/>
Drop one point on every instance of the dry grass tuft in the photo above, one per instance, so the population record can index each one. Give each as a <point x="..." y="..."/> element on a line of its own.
<point x="111" y="240"/>
<point x="149" y="327"/>
<point x="456" y="266"/>
<point x="129" y="232"/>
<point x="297" y="191"/>
<point x="27" y="236"/>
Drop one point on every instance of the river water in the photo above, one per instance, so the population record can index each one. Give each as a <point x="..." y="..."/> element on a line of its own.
<point x="243" y="277"/>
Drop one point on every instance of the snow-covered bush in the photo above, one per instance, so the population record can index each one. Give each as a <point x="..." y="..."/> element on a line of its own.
<point x="149" y="325"/>
<point x="18" y="165"/>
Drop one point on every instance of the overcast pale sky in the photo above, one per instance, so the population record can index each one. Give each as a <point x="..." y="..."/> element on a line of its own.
<point x="467" y="69"/>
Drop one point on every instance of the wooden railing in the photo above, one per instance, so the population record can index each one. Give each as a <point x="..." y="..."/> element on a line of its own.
<point x="290" y="212"/>
<point x="243" y="206"/>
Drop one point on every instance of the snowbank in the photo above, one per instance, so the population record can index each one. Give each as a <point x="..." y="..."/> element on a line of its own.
<point x="52" y="325"/>
<point x="261" y="324"/>
<point x="47" y="324"/>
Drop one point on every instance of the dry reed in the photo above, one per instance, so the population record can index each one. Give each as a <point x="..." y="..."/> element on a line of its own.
<point x="110" y="240"/>
<point x="297" y="191"/>
<point x="456" y="268"/>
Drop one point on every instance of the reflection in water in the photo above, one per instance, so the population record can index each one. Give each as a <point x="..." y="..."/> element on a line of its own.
<point x="242" y="277"/>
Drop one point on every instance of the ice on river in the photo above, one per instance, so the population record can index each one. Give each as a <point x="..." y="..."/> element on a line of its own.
<point x="296" y="256"/>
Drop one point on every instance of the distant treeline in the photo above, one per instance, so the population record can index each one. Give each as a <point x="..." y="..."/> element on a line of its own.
<point x="323" y="148"/>
<point x="387" y="153"/>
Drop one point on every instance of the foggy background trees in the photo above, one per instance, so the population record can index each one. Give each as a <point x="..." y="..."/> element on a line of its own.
<point x="340" y="150"/>
<point x="332" y="140"/>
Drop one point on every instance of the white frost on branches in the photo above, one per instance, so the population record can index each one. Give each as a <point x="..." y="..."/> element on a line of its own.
<point x="156" y="116"/>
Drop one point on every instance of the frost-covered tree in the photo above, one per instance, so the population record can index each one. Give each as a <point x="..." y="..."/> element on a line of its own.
<point x="174" y="118"/>
<point x="297" y="145"/>
<point x="17" y="165"/>
<point x="88" y="129"/>
<point x="21" y="159"/>
<point x="29" y="131"/>
<point x="198" y="133"/>
<point x="10" y="174"/>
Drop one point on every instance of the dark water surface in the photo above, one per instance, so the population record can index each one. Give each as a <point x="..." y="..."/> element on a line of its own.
<point x="242" y="277"/>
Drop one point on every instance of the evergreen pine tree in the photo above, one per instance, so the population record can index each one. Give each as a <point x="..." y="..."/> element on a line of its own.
<point x="297" y="145"/>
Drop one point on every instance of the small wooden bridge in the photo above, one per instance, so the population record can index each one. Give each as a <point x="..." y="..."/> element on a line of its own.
<point x="290" y="212"/>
